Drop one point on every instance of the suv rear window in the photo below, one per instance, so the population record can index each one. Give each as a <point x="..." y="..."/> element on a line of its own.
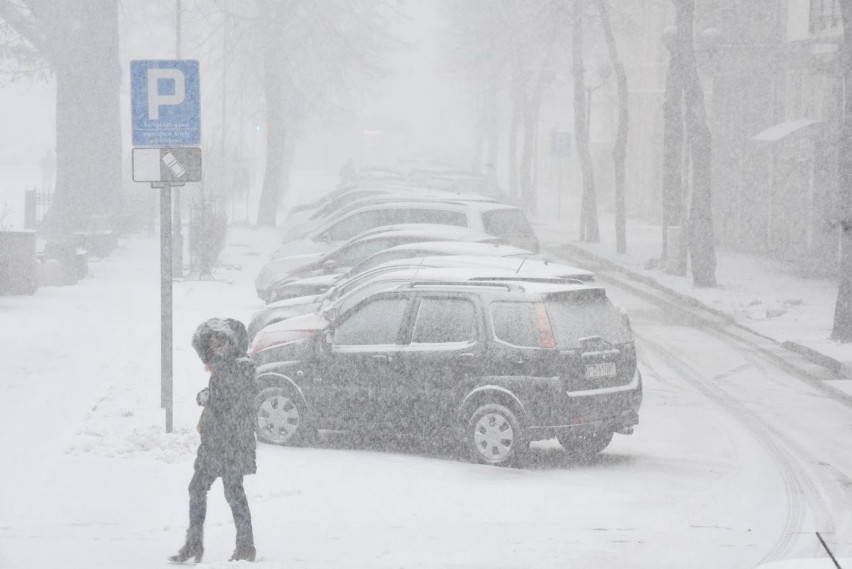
<point x="516" y="323"/>
<point x="506" y="223"/>
<point x="575" y="318"/>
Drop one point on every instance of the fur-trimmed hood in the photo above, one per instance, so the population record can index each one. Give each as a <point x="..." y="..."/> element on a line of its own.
<point x="215" y="327"/>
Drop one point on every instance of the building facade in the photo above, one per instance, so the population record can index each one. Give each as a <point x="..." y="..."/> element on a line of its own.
<point x="776" y="102"/>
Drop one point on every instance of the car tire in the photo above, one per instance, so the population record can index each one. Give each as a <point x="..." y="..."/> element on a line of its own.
<point x="280" y="417"/>
<point x="494" y="436"/>
<point x="587" y="446"/>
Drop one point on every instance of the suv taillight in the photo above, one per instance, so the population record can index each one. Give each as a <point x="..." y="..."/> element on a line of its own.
<point x="542" y="322"/>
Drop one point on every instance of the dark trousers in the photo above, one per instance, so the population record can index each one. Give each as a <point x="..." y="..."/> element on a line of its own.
<point x="235" y="494"/>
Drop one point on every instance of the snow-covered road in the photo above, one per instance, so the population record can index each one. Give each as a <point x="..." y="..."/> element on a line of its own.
<point x="738" y="458"/>
<point x="784" y="436"/>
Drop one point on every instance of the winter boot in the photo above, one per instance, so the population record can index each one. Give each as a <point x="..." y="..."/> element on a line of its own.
<point x="194" y="546"/>
<point x="244" y="552"/>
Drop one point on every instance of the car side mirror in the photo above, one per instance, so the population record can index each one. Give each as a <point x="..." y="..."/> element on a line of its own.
<point x="330" y="314"/>
<point x="328" y="336"/>
<point x="329" y="266"/>
<point x="326" y="237"/>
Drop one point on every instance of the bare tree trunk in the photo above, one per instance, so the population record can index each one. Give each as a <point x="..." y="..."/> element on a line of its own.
<point x="273" y="83"/>
<point x="492" y="141"/>
<point x="842" y="329"/>
<point x="479" y="134"/>
<point x="701" y="248"/>
<point x="531" y="115"/>
<point x="673" y="154"/>
<point x="289" y="154"/>
<point x="493" y="134"/>
<point x="619" y="149"/>
<point x="77" y="38"/>
<point x="589" y="208"/>
<point x="518" y="97"/>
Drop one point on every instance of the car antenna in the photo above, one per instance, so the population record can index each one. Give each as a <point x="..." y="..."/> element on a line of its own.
<point x="521" y="265"/>
<point x="417" y="270"/>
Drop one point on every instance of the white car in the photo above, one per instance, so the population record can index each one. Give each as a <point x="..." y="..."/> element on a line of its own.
<point x="436" y="248"/>
<point x="522" y="267"/>
<point x="505" y="221"/>
<point x="365" y="197"/>
<point x="282" y="269"/>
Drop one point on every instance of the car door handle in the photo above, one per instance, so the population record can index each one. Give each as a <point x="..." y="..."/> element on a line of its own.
<point x="381" y="358"/>
<point x="517" y="360"/>
<point x="466" y="358"/>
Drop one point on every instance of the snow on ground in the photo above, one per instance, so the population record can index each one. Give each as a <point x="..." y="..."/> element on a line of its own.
<point x="90" y="478"/>
<point x="94" y="481"/>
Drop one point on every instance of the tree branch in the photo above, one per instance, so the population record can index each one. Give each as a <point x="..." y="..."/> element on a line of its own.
<point x="26" y="27"/>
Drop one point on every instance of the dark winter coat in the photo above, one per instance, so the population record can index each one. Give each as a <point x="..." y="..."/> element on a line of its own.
<point x="227" y="422"/>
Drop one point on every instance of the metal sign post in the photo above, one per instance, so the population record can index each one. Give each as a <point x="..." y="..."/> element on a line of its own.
<point x="166" y="168"/>
<point x="166" y="112"/>
<point x="166" y="398"/>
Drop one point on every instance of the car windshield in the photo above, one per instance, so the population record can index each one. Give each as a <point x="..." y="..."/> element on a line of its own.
<point x="506" y="223"/>
<point x="358" y="251"/>
<point x="383" y="257"/>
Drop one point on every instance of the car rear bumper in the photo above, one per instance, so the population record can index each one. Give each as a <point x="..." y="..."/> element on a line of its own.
<point x="623" y="424"/>
<point x="612" y="408"/>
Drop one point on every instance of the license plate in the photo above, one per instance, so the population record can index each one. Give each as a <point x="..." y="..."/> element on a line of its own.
<point x="603" y="369"/>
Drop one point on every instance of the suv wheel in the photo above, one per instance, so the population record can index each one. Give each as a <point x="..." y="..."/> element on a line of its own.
<point x="585" y="447"/>
<point x="280" y="417"/>
<point x="494" y="435"/>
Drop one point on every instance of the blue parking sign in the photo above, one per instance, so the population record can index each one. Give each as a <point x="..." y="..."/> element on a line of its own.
<point x="165" y="102"/>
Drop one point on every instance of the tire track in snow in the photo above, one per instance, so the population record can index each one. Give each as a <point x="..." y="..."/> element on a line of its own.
<point x="839" y="487"/>
<point x="798" y="479"/>
<point x="802" y="493"/>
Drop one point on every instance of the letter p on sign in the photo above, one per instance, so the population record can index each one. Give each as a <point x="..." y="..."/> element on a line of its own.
<point x="156" y="98"/>
<point x="165" y="103"/>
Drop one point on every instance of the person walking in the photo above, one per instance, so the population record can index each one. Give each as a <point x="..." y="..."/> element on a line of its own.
<point x="226" y="426"/>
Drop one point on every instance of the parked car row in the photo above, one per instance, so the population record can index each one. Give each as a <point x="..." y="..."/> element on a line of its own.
<point x="282" y="269"/>
<point x="428" y="315"/>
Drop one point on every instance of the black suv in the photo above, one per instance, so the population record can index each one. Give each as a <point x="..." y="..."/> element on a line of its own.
<point x="496" y="365"/>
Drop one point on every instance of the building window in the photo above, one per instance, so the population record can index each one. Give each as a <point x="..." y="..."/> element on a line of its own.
<point x="825" y="15"/>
